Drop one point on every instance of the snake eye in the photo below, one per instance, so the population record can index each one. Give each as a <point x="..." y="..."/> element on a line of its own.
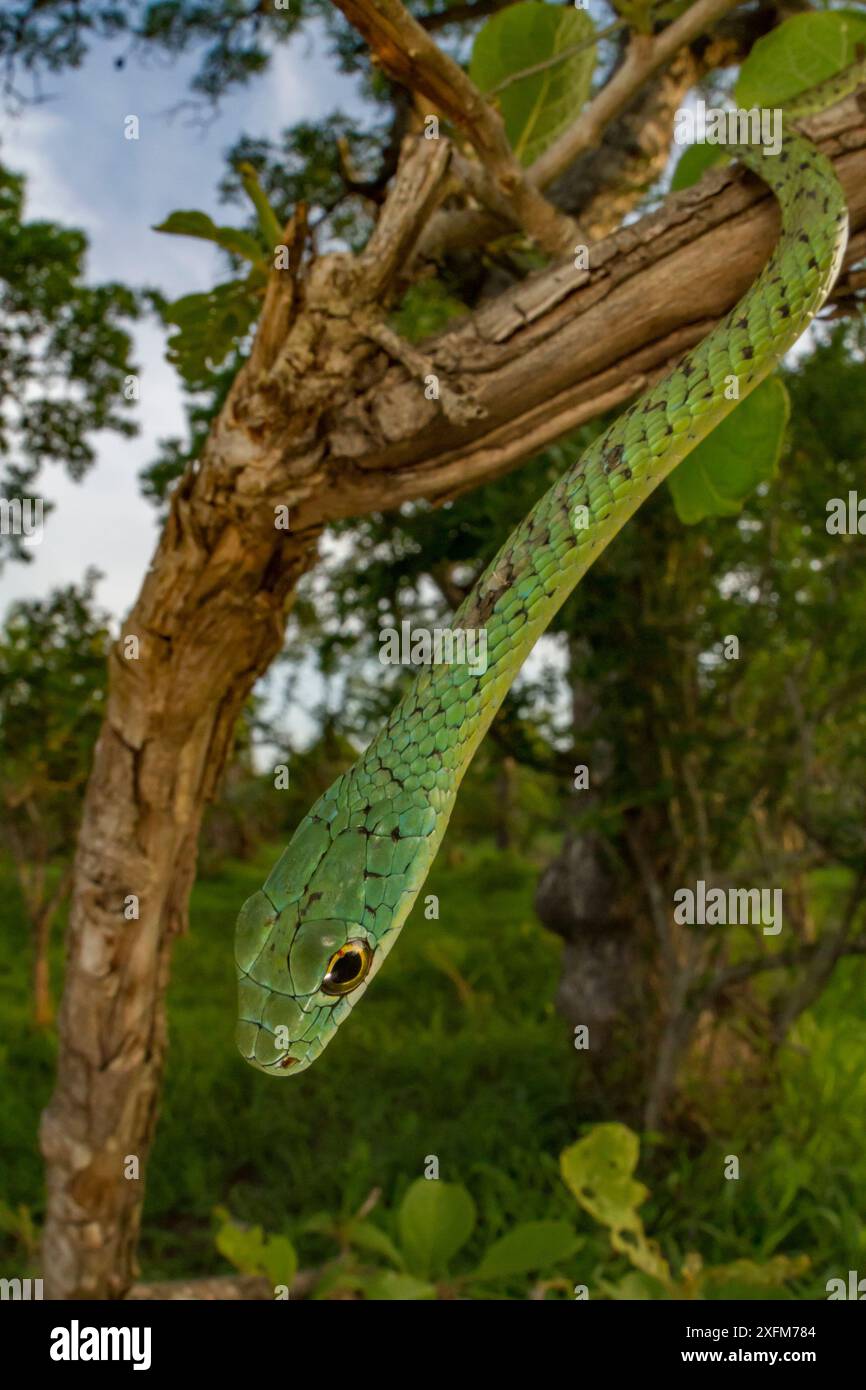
<point x="347" y="968"/>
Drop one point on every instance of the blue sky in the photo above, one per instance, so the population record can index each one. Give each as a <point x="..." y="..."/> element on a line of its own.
<point x="82" y="172"/>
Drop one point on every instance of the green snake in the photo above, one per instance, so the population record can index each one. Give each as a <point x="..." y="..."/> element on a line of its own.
<point x="310" y="941"/>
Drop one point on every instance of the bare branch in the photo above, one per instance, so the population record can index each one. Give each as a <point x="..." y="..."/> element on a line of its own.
<point x="461" y="14"/>
<point x="411" y="198"/>
<point x="829" y="950"/>
<point x="407" y="53"/>
<point x="762" y="965"/>
<point x="645" y="56"/>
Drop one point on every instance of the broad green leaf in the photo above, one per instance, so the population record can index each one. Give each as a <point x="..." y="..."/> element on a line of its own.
<point x="538" y="107"/>
<point x="366" y="1236"/>
<point x="598" y="1170"/>
<point x="531" y="1245"/>
<point x="797" y="55"/>
<point x="211" y="324"/>
<point x="716" y="478"/>
<point x="198" y="224"/>
<point x="401" y="1287"/>
<point x="252" y="1252"/>
<point x="693" y="164"/>
<point x="435" y="1220"/>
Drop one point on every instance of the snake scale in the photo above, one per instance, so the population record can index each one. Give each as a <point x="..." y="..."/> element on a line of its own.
<point x="310" y="941"/>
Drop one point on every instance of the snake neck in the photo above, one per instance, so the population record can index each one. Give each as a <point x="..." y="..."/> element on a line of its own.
<point x="426" y="746"/>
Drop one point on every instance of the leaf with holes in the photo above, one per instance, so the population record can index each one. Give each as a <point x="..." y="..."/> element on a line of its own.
<point x="599" y="1171"/>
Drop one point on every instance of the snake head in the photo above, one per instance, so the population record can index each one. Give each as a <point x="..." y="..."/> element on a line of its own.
<point x="295" y="979"/>
<point x="309" y="942"/>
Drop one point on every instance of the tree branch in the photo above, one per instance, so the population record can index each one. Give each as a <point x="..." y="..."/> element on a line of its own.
<point x="645" y="56"/>
<point x="831" y="947"/>
<point x="407" y="53"/>
<point x="762" y="965"/>
<point x="461" y="14"/>
<point x="563" y="346"/>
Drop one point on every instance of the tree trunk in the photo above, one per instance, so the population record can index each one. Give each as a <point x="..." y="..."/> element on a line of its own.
<point x="602" y="982"/>
<point x="139" y="835"/>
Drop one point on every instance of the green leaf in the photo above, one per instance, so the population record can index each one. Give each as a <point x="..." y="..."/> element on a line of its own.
<point x="401" y="1287"/>
<point x="198" y="224"/>
<point x="797" y="55"/>
<point x="531" y="1245"/>
<point x="694" y="162"/>
<point x="741" y="452"/>
<point x="366" y="1236"/>
<point x="598" y="1170"/>
<point x="538" y="107"/>
<point x="252" y="1252"/>
<point x="211" y="325"/>
<point x="435" y="1220"/>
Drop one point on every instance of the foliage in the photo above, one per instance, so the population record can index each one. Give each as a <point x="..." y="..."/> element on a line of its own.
<point x="430" y="1227"/>
<point x="740" y="453"/>
<point x="598" y="1170"/>
<point x="53" y="35"/>
<point x="422" y="1050"/>
<point x="409" y="1257"/>
<point x="64" y="353"/>
<point x="252" y="1252"/>
<point x="538" y="106"/>
<point x="52" y="692"/>
<point x="52" y="696"/>
<point x="797" y="55"/>
<point x="214" y="324"/>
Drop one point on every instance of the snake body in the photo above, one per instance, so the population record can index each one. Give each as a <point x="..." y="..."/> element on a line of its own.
<point x="311" y="940"/>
